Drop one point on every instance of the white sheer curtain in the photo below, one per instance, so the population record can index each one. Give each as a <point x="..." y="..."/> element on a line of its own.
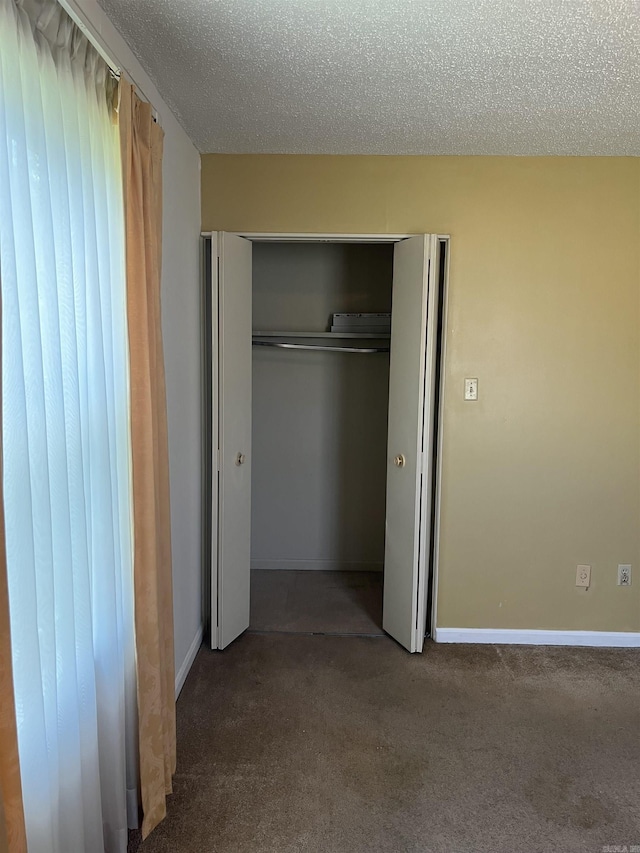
<point x="66" y="432"/>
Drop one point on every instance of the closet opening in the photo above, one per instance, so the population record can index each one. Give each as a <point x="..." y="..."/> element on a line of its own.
<point x="320" y="397"/>
<point x="322" y="362"/>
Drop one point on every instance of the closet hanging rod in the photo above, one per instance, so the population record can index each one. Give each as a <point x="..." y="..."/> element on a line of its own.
<point x="281" y="345"/>
<point x="377" y="336"/>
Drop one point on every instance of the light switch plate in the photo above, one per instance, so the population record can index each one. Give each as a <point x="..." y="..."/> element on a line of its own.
<point x="470" y="389"/>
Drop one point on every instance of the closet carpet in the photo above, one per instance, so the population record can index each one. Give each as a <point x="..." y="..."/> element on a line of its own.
<point x="316" y="602"/>
<point x="289" y="744"/>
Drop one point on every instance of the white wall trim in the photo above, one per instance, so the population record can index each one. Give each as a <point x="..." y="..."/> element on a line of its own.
<point x="432" y="618"/>
<point x="187" y="663"/>
<point x="314" y="237"/>
<point x="534" y="637"/>
<point x="311" y="237"/>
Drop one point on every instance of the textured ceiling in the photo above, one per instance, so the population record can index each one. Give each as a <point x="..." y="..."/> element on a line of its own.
<point x="394" y="76"/>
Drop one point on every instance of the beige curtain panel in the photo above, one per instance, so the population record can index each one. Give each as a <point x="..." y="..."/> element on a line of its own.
<point x="12" y="830"/>
<point x="142" y="140"/>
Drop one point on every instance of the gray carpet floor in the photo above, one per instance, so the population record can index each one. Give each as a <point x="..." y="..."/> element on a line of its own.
<point x="316" y="602"/>
<point x="324" y="744"/>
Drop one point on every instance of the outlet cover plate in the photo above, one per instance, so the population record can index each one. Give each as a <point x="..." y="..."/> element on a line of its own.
<point x="583" y="576"/>
<point x="624" y="575"/>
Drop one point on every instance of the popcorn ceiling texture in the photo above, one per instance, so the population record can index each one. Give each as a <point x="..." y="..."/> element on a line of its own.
<point x="394" y="76"/>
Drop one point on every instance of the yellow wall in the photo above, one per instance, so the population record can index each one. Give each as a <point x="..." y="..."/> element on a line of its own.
<point x="543" y="472"/>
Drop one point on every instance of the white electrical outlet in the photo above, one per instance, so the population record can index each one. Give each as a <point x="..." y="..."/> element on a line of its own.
<point x="624" y="575"/>
<point x="583" y="576"/>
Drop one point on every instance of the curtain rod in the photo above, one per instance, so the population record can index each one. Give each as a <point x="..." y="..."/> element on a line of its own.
<point x="116" y="68"/>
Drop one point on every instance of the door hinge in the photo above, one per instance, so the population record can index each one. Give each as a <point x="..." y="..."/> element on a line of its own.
<point x="218" y="459"/>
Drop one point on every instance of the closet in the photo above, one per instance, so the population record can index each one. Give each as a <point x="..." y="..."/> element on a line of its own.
<point x="320" y="432"/>
<point x="319" y="437"/>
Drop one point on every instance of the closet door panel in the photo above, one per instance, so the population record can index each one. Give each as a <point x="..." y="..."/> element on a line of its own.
<point x="234" y="425"/>
<point x="405" y="559"/>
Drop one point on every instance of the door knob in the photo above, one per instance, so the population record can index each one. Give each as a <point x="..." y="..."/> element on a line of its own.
<point x="399" y="460"/>
<point x="240" y="458"/>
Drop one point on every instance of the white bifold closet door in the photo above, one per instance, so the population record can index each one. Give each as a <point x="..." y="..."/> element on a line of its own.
<point x="231" y="436"/>
<point x="410" y="441"/>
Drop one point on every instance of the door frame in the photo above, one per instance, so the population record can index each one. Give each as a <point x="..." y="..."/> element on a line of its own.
<point x="338" y="237"/>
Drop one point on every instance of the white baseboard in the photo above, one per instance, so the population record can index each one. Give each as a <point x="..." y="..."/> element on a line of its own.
<point x="510" y="636"/>
<point x="187" y="663"/>
<point x="315" y="565"/>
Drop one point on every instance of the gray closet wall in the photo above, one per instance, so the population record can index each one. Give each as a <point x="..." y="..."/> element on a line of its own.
<point x="319" y="419"/>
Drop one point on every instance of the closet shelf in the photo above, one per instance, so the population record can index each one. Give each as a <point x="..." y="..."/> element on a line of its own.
<point x="334" y="335"/>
